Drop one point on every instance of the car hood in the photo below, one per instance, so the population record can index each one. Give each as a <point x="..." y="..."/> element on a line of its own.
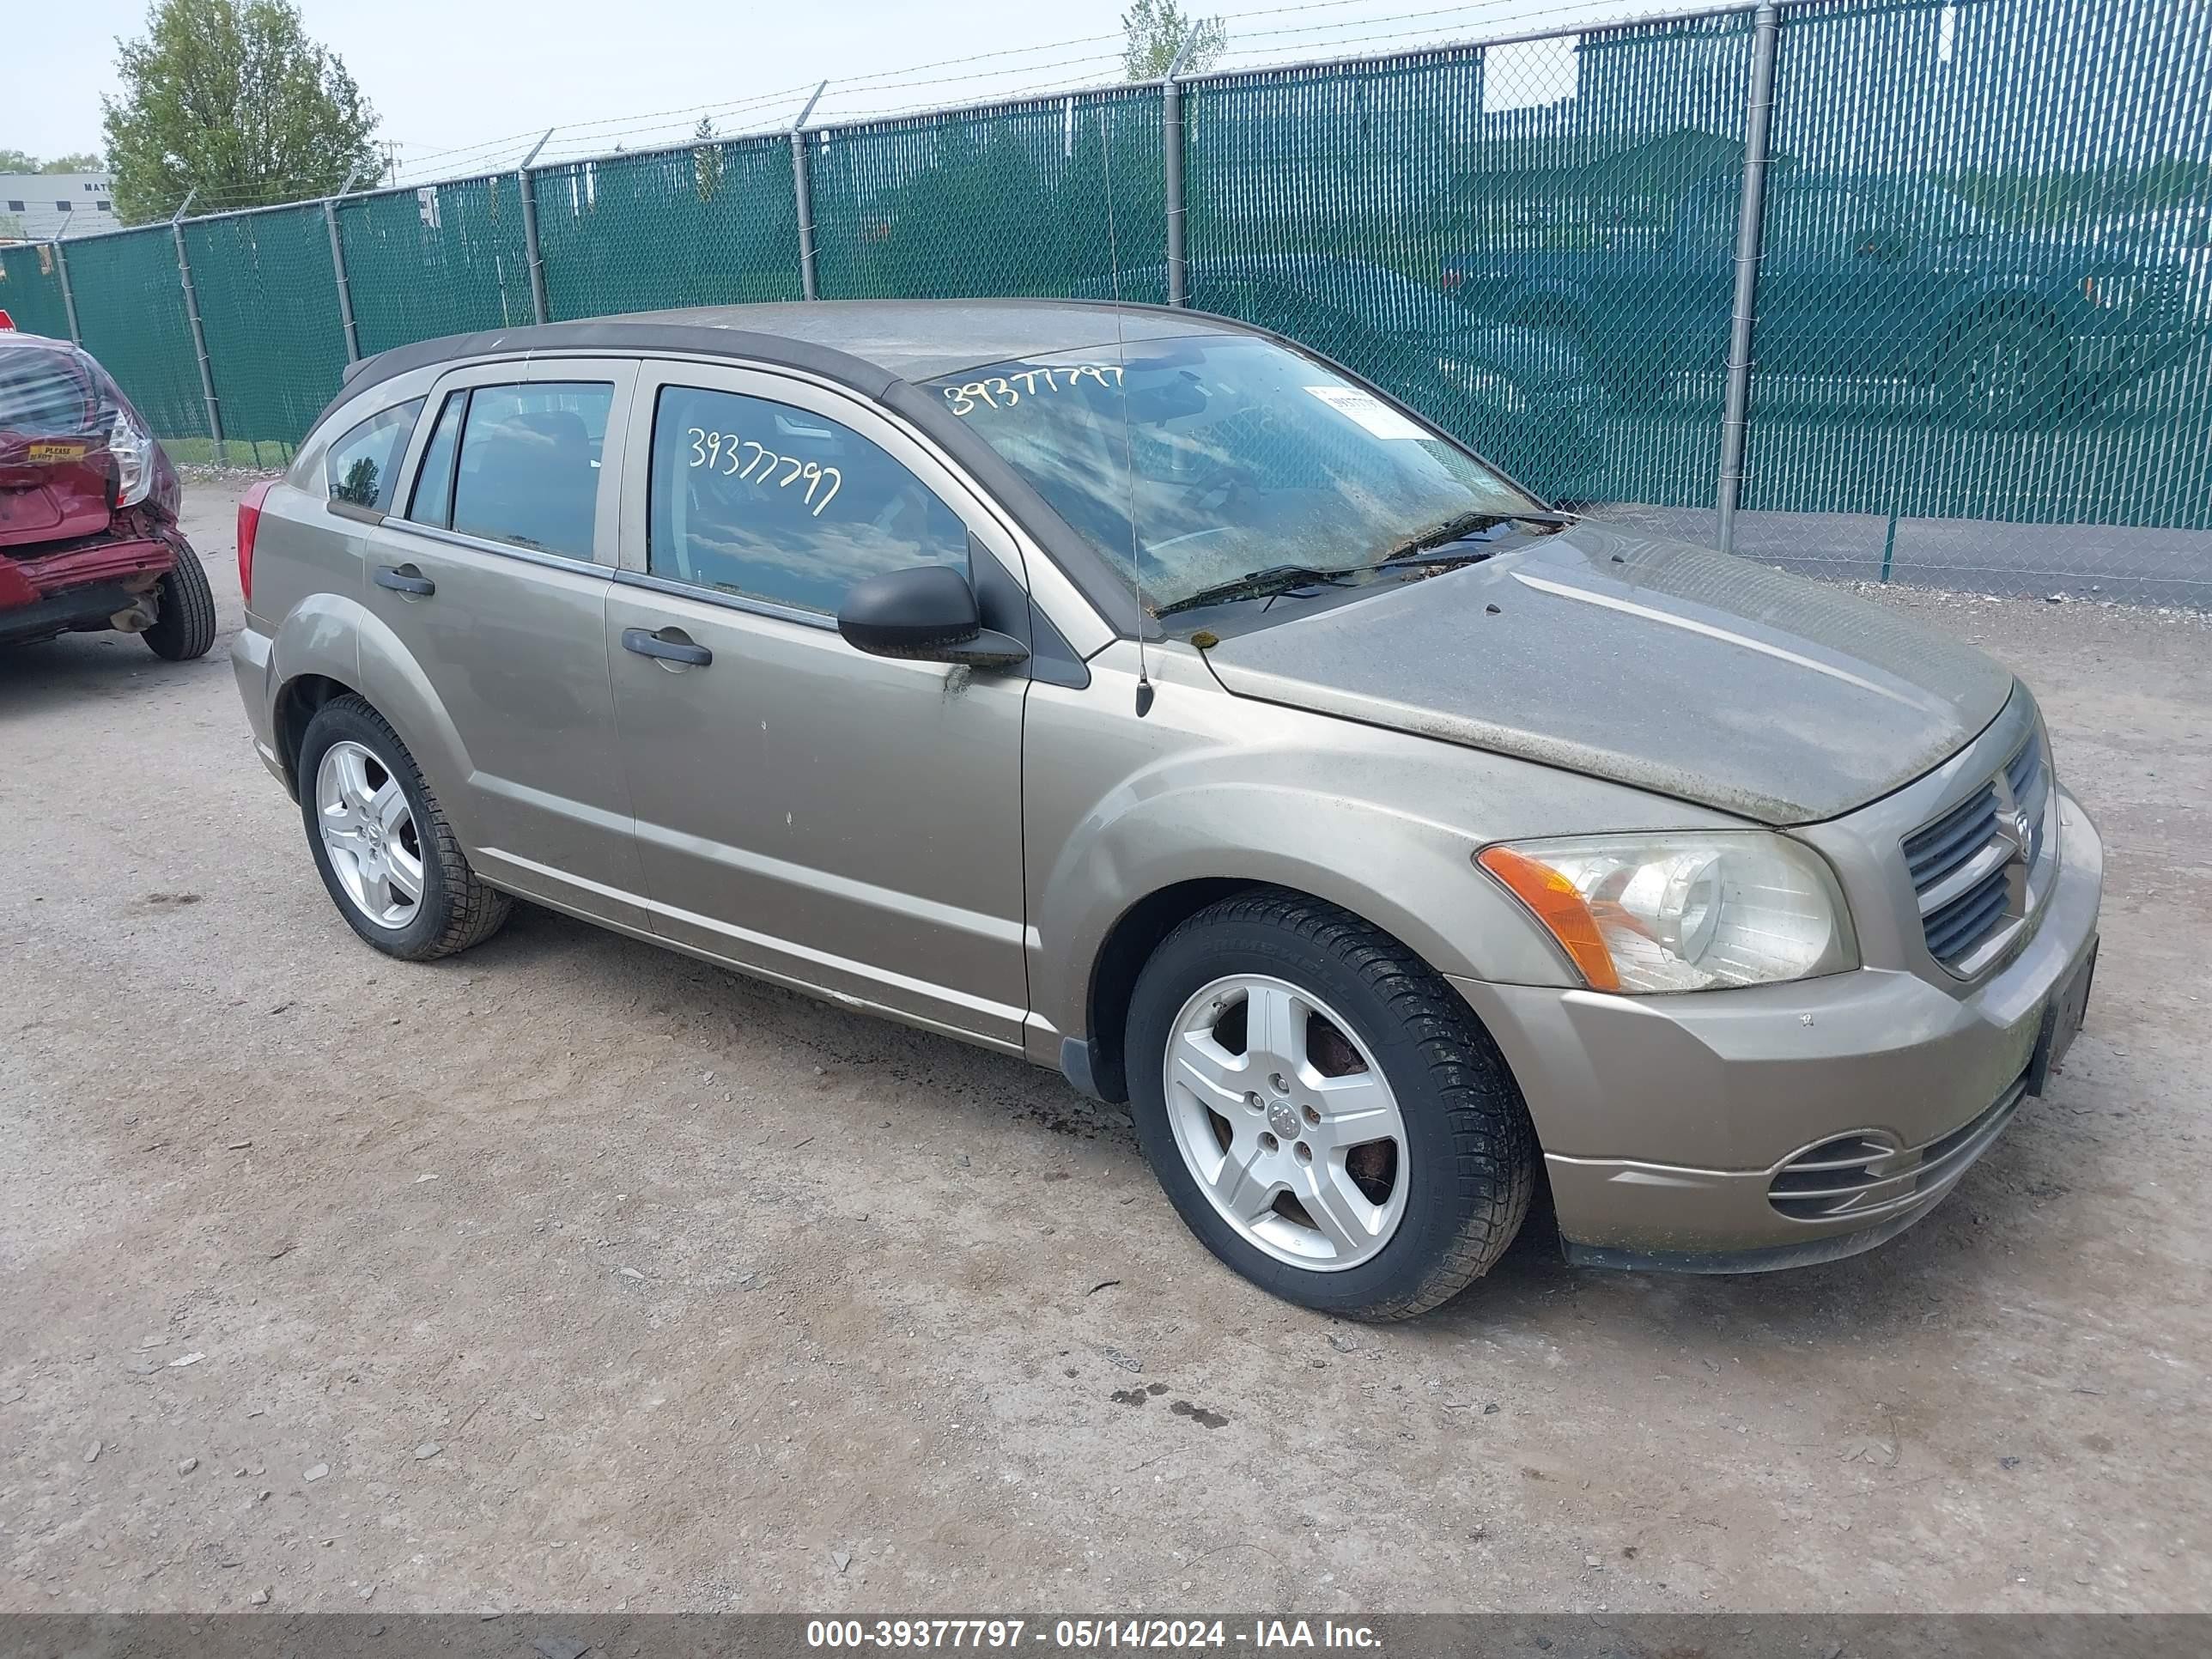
<point x="1658" y="665"/>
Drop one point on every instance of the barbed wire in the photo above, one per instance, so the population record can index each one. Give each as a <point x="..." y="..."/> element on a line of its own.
<point x="615" y="131"/>
<point x="1247" y="50"/>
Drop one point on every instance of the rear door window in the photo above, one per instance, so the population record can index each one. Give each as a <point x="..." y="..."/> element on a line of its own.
<point x="362" y="467"/>
<point x="529" y="472"/>
<point x="759" y="499"/>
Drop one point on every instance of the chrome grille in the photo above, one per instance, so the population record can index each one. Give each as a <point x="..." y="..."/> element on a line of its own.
<point x="2030" y="781"/>
<point x="1867" y="1175"/>
<point x="1970" y="867"/>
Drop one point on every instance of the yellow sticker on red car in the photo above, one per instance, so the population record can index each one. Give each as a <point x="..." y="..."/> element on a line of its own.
<point x="55" y="452"/>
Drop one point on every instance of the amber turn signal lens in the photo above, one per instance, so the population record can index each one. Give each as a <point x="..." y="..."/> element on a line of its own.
<point x="1553" y="900"/>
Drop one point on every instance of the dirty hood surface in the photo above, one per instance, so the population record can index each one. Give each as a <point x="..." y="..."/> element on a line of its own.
<point x="1673" y="668"/>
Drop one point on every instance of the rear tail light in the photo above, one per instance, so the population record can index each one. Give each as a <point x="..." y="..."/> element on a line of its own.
<point x="6" y="321"/>
<point x="249" y="526"/>
<point x="133" y="452"/>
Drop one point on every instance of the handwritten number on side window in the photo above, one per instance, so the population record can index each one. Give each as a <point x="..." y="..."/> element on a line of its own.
<point x="722" y="452"/>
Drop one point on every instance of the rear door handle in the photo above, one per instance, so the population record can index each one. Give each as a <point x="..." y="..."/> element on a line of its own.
<point x="405" y="579"/>
<point x="678" y="649"/>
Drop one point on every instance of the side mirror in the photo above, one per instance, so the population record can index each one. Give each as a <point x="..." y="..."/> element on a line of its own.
<point x="928" y="614"/>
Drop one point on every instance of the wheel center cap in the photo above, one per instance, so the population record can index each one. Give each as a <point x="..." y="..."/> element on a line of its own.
<point x="1283" y="1119"/>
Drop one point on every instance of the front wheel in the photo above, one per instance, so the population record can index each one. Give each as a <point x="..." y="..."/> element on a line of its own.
<point x="1325" y="1114"/>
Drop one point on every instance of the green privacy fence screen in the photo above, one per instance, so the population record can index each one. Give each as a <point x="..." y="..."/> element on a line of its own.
<point x="716" y="224"/>
<point x="31" y="290"/>
<point x="1975" y="351"/>
<point x="269" y="306"/>
<point x="1036" y="198"/>
<point x="1379" y="211"/>
<point x="449" y="258"/>
<point x="130" y="308"/>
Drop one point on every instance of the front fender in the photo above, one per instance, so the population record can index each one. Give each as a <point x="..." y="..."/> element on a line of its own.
<point x="1212" y="787"/>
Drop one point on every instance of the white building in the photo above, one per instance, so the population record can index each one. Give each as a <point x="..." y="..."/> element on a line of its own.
<point x="42" y="207"/>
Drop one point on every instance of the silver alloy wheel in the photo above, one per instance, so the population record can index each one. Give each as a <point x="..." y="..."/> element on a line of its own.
<point x="369" y="831"/>
<point x="1286" y="1122"/>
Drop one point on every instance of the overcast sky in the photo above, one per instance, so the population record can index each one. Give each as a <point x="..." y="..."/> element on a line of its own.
<point x="451" y="77"/>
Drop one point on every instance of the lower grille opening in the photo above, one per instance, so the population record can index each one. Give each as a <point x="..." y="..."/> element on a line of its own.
<point x="1867" y="1175"/>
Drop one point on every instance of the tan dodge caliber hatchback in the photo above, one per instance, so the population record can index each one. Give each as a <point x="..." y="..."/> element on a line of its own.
<point x="1141" y="694"/>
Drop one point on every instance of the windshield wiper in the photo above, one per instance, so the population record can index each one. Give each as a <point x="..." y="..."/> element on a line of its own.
<point x="1428" y="549"/>
<point x="1459" y="530"/>
<point x="1256" y="584"/>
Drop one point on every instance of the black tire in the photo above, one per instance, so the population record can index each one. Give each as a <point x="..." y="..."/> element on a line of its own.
<point x="185" y="626"/>
<point x="458" y="908"/>
<point x="1471" y="1151"/>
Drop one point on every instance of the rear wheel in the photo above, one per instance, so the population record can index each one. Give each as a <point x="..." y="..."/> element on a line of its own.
<point x="381" y="844"/>
<point x="184" y="626"/>
<point x="1325" y="1114"/>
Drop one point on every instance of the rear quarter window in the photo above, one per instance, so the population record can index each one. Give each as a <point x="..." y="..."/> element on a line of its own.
<point x="362" y="467"/>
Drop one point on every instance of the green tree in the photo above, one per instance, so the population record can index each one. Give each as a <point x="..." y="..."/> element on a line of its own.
<point x="707" y="160"/>
<point x="1157" y="30"/>
<point x="18" y="161"/>
<point x="231" y="97"/>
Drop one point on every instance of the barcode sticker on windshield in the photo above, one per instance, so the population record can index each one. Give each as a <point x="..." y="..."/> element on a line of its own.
<point x="1369" y="411"/>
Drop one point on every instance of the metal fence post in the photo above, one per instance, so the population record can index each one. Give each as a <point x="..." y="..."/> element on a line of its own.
<point x="338" y="266"/>
<point x="1750" y="228"/>
<point x="199" y="334"/>
<point x="1171" y="164"/>
<point x="802" y="193"/>
<point x="68" y="298"/>
<point x="539" y="311"/>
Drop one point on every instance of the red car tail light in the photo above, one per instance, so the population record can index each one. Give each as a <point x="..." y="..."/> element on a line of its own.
<point x="6" y="321"/>
<point x="249" y="526"/>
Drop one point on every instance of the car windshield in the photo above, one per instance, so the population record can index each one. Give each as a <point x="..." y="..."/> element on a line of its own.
<point x="1190" y="463"/>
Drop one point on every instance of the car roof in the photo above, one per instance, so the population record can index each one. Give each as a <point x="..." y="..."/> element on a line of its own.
<point x="868" y="344"/>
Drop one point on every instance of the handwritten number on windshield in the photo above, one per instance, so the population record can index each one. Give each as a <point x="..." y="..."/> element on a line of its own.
<point x="1007" y="391"/>
<point x="710" y="450"/>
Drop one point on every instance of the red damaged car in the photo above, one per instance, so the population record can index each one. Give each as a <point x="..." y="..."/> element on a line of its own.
<point x="88" y="535"/>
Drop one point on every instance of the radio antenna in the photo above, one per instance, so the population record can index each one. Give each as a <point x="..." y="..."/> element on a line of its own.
<point x="1129" y="442"/>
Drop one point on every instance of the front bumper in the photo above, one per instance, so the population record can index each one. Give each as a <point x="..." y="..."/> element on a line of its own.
<point x="1665" y="1120"/>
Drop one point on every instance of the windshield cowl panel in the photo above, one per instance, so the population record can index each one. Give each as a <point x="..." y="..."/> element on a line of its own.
<point x="1193" y="462"/>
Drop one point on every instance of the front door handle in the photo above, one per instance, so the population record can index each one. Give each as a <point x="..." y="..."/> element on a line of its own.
<point x="405" y="579"/>
<point x="678" y="649"/>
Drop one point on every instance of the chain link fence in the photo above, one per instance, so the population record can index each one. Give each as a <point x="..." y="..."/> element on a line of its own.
<point x="448" y="258"/>
<point x="31" y="290"/>
<point x="1043" y="199"/>
<point x="1910" y="290"/>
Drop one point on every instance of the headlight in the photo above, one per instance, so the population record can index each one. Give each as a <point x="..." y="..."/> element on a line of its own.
<point x="133" y="451"/>
<point x="1641" y="913"/>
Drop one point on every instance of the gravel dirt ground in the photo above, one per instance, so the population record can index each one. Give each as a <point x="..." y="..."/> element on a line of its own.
<point x="570" y="1275"/>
